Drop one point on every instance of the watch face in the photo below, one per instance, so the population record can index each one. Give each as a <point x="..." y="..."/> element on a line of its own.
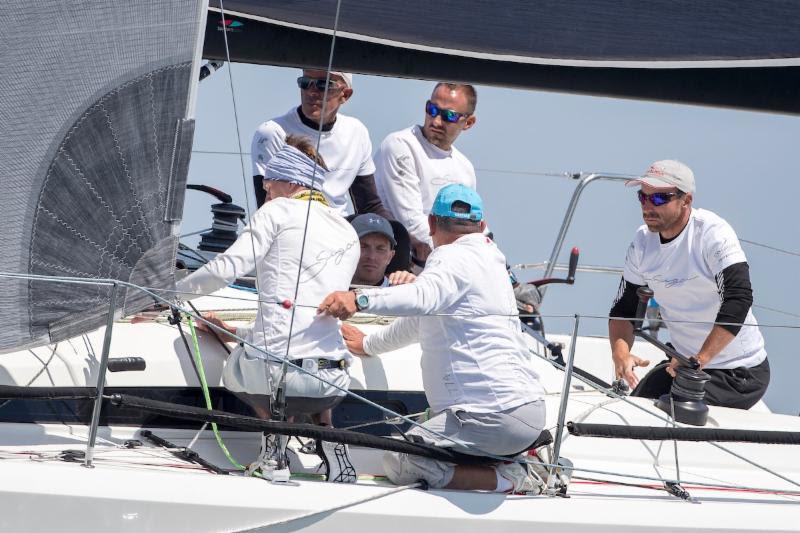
<point x="362" y="301"/>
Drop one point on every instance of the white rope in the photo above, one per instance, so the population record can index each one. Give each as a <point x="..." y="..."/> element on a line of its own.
<point x="284" y="368"/>
<point x="332" y="509"/>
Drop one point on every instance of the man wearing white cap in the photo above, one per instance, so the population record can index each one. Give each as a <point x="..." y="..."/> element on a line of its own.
<point x="343" y="141"/>
<point x="286" y="325"/>
<point x="693" y="262"/>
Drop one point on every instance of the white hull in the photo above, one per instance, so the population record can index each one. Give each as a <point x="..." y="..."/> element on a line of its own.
<point x="148" y="489"/>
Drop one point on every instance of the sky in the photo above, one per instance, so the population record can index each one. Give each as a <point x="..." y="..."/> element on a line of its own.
<point x="745" y="165"/>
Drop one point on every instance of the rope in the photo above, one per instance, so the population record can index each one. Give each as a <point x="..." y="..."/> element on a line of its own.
<point x="207" y="396"/>
<point x="241" y="159"/>
<point x="774" y="248"/>
<point x="333" y="508"/>
<point x="281" y="392"/>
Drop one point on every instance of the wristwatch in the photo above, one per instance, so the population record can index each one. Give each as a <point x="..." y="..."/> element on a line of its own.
<point x="362" y="300"/>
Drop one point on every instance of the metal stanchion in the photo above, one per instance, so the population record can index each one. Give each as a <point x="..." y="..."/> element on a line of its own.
<point x="101" y="378"/>
<point x="562" y="410"/>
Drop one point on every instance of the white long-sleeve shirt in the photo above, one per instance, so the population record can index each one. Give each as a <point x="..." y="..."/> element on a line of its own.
<point x="409" y="171"/>
<point x="473" y="355"/>
<point x="329" y="262"/>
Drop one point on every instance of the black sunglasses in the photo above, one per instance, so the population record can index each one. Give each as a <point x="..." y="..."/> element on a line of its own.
<point x="448" y="115"/>
<point x="305" y="83"/>
<point x="657" y="198"/>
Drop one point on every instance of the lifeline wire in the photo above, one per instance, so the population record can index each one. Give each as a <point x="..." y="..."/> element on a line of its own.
<point x="241" y="161"/>
<point x="412" y="422"/>
<point x="284" y="367"/>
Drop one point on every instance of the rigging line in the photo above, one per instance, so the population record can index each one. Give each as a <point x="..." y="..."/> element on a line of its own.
<point x="185" y="250"/>
<point x="194" y="233"/>
<point x="774" y="310"/>
<point x="284" y="368"/>
<point x="774" y="248"/>
<point x="362" y="399"/>
<point x="41" y="370"/>
<point x="332" y="509"/>
<point x="520" y="315"/>
<point x="153" y="292"/>
<point x="659" y="416"/>
<point x="565" y="174"/>
<point x="608" y="392"/>
<point x="241" y="164"/>
<point x="521" y="460"/>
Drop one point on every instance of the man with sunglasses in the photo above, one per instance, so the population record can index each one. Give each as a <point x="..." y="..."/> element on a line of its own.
<point x="693" y="262"/>
<point x="344" y="141"/>
<point x="414" y="163"/>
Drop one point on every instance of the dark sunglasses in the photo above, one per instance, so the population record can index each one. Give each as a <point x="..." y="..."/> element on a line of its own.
<point x="448" y="115"/>
<point x="305" y="83"/>
<point x="657" y="198"/>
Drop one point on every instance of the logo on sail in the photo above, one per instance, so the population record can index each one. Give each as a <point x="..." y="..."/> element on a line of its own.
<point x="230" y="25"/>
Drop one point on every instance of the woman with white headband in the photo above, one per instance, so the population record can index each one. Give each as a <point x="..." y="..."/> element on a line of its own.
<point x="296" y="221"/>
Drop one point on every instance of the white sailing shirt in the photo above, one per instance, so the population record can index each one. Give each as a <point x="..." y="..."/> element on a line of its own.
<point x="682" y="273"/>
<point x="473" y="355"/>
<point x="409" y="173"/>
<point x="346" y="149"/>
<point x="329" y="262"/>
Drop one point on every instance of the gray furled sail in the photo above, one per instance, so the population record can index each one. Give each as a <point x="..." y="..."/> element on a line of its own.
<point x="729" y="53"/>
<point x="94" y="156"/>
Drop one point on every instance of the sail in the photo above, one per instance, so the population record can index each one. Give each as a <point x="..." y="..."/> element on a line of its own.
<point x="94" y="152"/>
<point x="729" y="53"/>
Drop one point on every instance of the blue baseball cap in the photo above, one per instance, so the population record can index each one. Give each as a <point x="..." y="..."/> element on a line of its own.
<point x="455" y="192"/>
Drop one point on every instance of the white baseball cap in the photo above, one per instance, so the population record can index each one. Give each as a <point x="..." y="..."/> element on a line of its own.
<point x="346" y="76"/>
<point x="667" y="173"/>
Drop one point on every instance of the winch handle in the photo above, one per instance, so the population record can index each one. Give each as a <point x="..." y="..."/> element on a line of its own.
<point x="570" y="279"/>
<point x="223" y="197"/>
<point x="644" y="294"/>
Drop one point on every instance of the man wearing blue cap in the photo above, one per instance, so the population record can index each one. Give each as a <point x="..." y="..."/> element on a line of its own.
<point x="286" y="326"/>
<point x="475" y="369"/>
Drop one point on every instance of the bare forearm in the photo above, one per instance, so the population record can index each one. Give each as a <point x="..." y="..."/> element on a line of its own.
<point x="620" y="334"/>
<point x="716" y="341"/>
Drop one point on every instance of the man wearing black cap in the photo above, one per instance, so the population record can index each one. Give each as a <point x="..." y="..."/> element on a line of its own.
<point x="377" y="251"/>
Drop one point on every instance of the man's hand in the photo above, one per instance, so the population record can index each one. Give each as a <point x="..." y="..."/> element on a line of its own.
<point x="528" y="297"/>
<point x="624" y="366"/>
<point x="673" y="364"/>
<point x="354" y="339"/>
<point x="401" y="277"/>
<point x="339" y="304"/>
<point x="150" y="314"/>
<point x="215" y="320"/>
<point x="421" y="249"/>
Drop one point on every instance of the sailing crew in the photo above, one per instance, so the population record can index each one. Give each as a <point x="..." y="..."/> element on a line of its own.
<point x="477" y="377"/>
<point x="286" y="325"/>
<point x="692" y="260"/>
<point x="378" y="244"/>
<point x="414" y="163"/>
<point x="344" y="142"/>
